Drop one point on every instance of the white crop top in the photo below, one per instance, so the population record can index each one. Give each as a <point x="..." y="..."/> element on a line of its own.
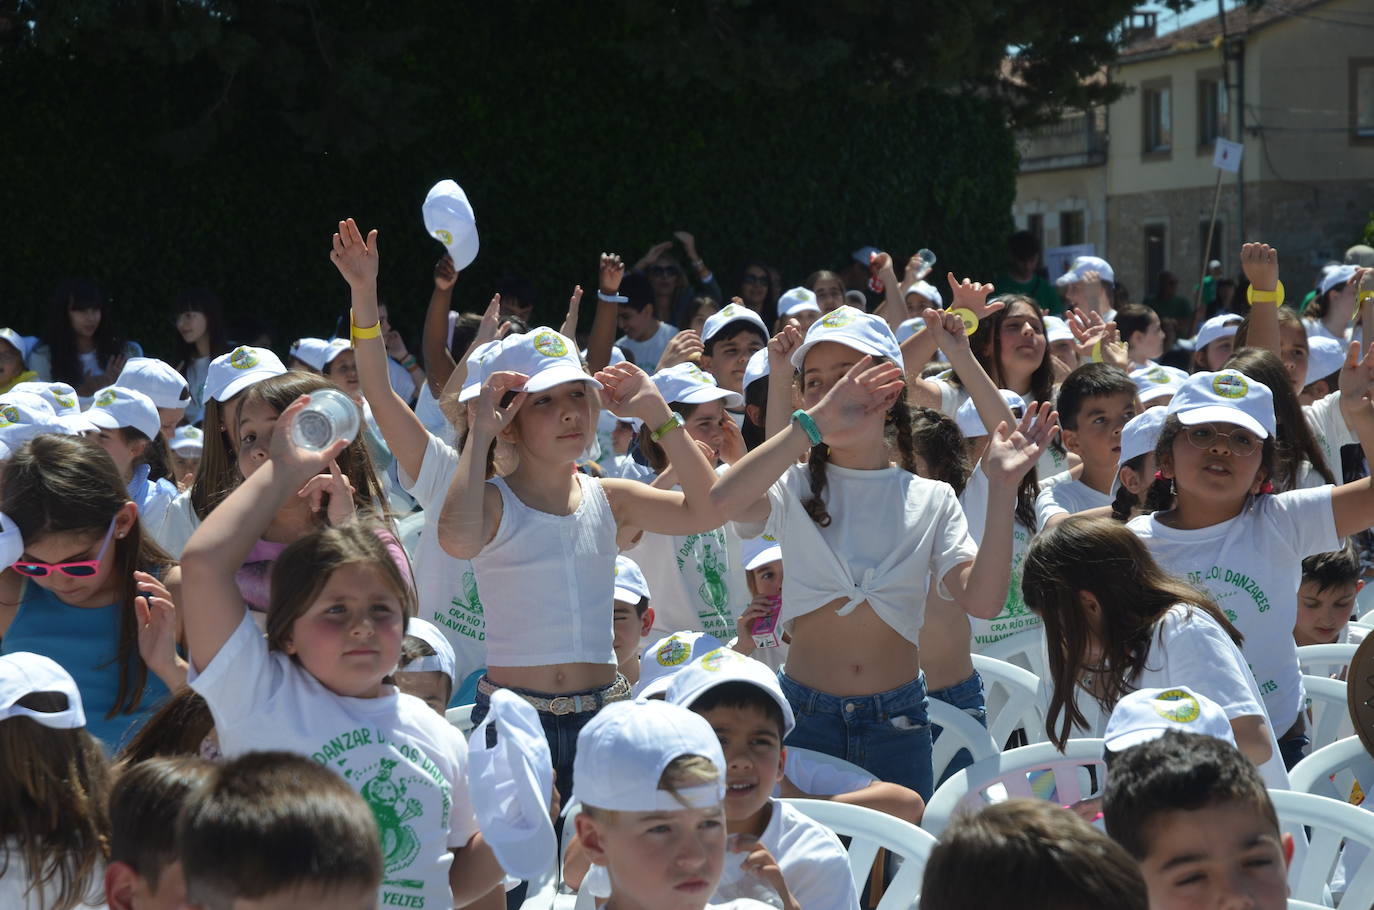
<point x="546" y="582"/>
<point x="889" y="530"/>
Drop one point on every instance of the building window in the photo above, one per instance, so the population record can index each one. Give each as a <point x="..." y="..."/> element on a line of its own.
<point x="1213" y="114"/>
<point x="1157" y="128"/>
<point x="1071" y="230"/>
<point x="1362" y="100"/>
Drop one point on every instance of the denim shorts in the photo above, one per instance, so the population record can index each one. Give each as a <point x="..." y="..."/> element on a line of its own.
<point x="968" y="697"/>
<point x="887" y="734"/>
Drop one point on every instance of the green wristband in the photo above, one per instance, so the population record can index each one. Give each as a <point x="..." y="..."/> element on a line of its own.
<point x="672" y="423"/>
<point x="808" y="426"/>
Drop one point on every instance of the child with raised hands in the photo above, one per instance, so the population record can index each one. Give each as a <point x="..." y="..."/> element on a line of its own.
<point x="316" y="685"/>
<point x="862" y="537"/>
<point x="87" y="586"/>
<point x="1216" y="523"/>
<point x="542" y="538"/>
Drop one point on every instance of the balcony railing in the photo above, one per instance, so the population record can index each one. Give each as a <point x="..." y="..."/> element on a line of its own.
<point x="1075" y="140"/>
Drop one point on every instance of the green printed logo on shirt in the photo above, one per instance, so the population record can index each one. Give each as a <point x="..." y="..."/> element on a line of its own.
<point x="464" y="613"/>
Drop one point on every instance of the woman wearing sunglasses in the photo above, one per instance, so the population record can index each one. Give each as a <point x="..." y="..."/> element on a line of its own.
<point x="81" y="584"/>
<point x="673" y="289"/>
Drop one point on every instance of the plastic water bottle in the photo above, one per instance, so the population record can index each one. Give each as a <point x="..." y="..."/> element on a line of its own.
<point x="735" y="883"/>
<point x="330" y="416"/>
<point x="927" y="259"/>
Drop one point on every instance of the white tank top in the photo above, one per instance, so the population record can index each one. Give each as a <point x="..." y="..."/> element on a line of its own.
<point x="547" y="582"/>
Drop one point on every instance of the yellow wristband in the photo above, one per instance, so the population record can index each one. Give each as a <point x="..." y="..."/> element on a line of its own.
<point x="356" y="331"/>
<point x="1275" y="296"/>
<point x="1097" y="352"/>
<point x="1365" y="295"/>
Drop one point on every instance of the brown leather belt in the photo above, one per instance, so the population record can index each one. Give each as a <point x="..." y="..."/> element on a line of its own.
<point x="565" y="704"/>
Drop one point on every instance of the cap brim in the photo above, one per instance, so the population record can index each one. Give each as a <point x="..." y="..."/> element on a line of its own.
<point x="243" y="381"/>
<point x="801" y="308"/>
<point x="469" y="392"/>
<point x="626" y="596"/>
<point x="712" y="393"/>
<point x="186" y="446"/>
<point x="789" y="720"/>
<point x="1156" y="391"/>
<point x="101" y="419"/>
<point x="799" y="355"/>
<point x="557" y="375"/>
<point x="763" y="558"/>
<point x="654" y="687"/>
<point x="1123" y="741"/>
<point x="77" y="423"/>
<point x="1220" y="413"/>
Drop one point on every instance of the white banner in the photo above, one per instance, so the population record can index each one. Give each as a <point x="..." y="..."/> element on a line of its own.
<point x="1227" y="155"/>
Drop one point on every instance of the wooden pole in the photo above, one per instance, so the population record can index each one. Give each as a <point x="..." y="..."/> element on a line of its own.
<point x="1206" y="253"/>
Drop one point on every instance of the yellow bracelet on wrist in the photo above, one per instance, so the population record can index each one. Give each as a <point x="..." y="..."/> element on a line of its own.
<point x="1275" y="296"/>
<point x="356" y="331"/>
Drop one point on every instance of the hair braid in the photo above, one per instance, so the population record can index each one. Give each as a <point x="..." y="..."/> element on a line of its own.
<point x="815" y="465"/>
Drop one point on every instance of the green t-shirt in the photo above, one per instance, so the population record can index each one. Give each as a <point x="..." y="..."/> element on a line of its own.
<point x="1038" y="289"/>
<point x="1179" y="308"/>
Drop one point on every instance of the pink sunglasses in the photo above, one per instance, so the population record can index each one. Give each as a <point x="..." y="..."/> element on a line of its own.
<point x="82" y="569"/>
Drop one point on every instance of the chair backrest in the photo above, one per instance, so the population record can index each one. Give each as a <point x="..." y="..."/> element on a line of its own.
<point x="1024" y="649"/>
<point x="1037" y="771"/>
<point x="957" y="731"/>
<point x="1331" y="824"/>
<point x="1343" y="770"/>
<point x="461" y="717"/>
<point x="870" y="831"/>
<point x="1016" y="699"/>
<point x="1330" y="709"/>
<point x="1326" y="660"/>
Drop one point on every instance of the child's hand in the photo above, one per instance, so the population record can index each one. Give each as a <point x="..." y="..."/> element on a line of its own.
<point x="395" y="346"/>
<point x="689" y="244"/>
<point x="295" y="461"/>
<point x="1357" y="385"/>
<point x="611" y="273"/>
<point x="1090" y="334"/>
<point x="1012" y="451"/>
<point x="947" y="329"/>
<point x="780" y="349"/>
<point x="574" y="305"/>
<point x="682" y="347"/>
<point x="1060" y="368"/>
<point x="973" y="296"/>
<point x="759" y="607"/>
<point x="491" y="321"/>
<point x="732" y="447"/>
<point x="761" y="864"/>
<point x="1085" y="293"/>
<point x="157" y="626"/>
<point x="1260" y="262"/>
<point x="332" y="493"/>
<point x="355" y="259"/>
<point x="862" y="392"/>
<point x="879" y="263"/>
<point x="629" y="393"/>
<point x="445" y="275"/>
<point x="494" y="412"/>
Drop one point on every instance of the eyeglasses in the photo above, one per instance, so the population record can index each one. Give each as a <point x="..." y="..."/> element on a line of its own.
<point x="82" y="569"/>
<point x="752" y="278"/>
<point x="1240" y="442"/>
<point x="663" y="271"/>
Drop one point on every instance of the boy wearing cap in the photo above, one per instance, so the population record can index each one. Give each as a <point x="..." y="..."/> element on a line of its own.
<point x="427" y="667"/>
<point x="631" y="617"/>
<point x="1214" y="342"/>
<point x="642" y="334"/>
<point x="799" y="305"/>
<point x="1195" y="816"/>
<point x="1157" y="384"/>
<point x="1089" y="285"/>
<point x="730" y="337"/>
<point x="163" y="385"/>
<point x="1325" y="356"/>
<point x="1094" y="404"/>
<point x="745" y="706"/>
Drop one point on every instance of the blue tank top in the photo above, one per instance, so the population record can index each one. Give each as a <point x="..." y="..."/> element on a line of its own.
<point x="84" y="641"/>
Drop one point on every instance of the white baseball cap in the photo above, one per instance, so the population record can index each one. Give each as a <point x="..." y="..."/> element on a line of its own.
<point x="732" y="312"/>
<point x="59" y="396"/>
<point x="311" y="351"/>
<point x="510" y="778"/>
<point x="187" y="439"/>
<point x="11" y="541"/>
<point x="546" y="357"/>
<point x="449" y="219"/>
<point x="686" y="383"/>
<point x="242" y="367"/>
<point x="1147" y="714"/>
<point x="477" y="369"/>
<point x="928" y="291"/>
<point x="724" y="665"/>
<point x="1334" y="275"/>
<point x="853" y="328"/>
<point x="158" y="380"/>
<point x="1213" y="264"/>
<point x="116" y="407"/>
<point x="759" y="551"/>
<point x="971" y="425"/>
<point x="443" y="659"/>
<point x="1227" y="396"/>
<point x="757" y="367"/>
<point x="630" y="586"/>
<point x="671" y="654"/>
<point x="1141" y="434"/>
<point x="21" y="419"/>
<point x="798" y="300"/>
<point x="1082" y="265"/>
<point x="624" y="749"/>
<point x="1324" y="357"/>
<point x="1224" y="325"/>
<point x="1056" y="330"/>
<point x="24" y="673"/>
<point x="908" y="328"/>
<point x="1157" y="381"/>
<point x="21" y="343"/>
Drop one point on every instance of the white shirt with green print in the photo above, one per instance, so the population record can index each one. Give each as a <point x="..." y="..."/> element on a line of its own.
<point x="1015" y="616"/>
<point x="696" y="582"/>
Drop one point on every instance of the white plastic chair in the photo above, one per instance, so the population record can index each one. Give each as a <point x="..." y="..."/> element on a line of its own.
<point x="1008" y="774"/>
<point x="1330" y="710"/>
<point x="1016" y="699"/>
<point x="1025" y="650"/>
<point x="1331" y="824"/>
<point x="870" y="831"/>
<point x="1326" y="660"/>
<point x="1332" y="771"/>
<point x="461" y="717"/>
<point x="957" y="731"/>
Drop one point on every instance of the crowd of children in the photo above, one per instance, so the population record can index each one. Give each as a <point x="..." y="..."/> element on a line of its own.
<point x="703" y="570"/>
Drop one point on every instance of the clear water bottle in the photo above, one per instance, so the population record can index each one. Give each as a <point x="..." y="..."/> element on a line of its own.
<point x="330" y="416"/>
<point x="927" y="262"/>
<point x="735" y="883"/>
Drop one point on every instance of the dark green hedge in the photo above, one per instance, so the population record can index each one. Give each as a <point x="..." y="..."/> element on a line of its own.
<point x="561" y="157"/>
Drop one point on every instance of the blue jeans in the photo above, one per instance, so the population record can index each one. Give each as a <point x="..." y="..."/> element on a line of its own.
<point x="887" y="734"/>
<point x="968" y="697"/>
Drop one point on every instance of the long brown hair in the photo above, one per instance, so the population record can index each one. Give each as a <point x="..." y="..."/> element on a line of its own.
<point x="1294" y="441"/>
<point x="1102" y="557"/>
<point x="54" y="787"/>
<point x="60" y="484"/>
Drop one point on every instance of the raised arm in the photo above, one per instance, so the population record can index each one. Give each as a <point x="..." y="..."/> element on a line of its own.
<point x="472" y="509"/>
<point x="1353" y="503"/>
<point x="569" y="327"/>
<point x="922" y="345"/>
<point x="434" y="344"/>
<point x="602" y="334"/>
<point x="947" y="330"/>
<point x="893" y="307"/>
<point x="781" y="383"/>
<point x="1260" y="262"/>
<point x="212" y="607"/>
<point x="358" y="262"/>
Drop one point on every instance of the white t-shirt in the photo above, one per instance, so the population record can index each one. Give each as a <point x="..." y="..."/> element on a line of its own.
<point x="1015" y="616"/>
<point x="648" y="351"/>
<point x="889" y="530"/>
<point x="406" y="761"/>
<point x="431" y="418"/>
<point x="1328" y="426"/>
<point x="696" y="582"/>
<point x="446" y="587"/>
<point x="812" y="860"/>
<point x="1252" y="567"/>
<point x="821" y="778"/>
<point x="178" y="522"/>
<point x="14" y="884"/>
<point x="1071" y="496"/>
